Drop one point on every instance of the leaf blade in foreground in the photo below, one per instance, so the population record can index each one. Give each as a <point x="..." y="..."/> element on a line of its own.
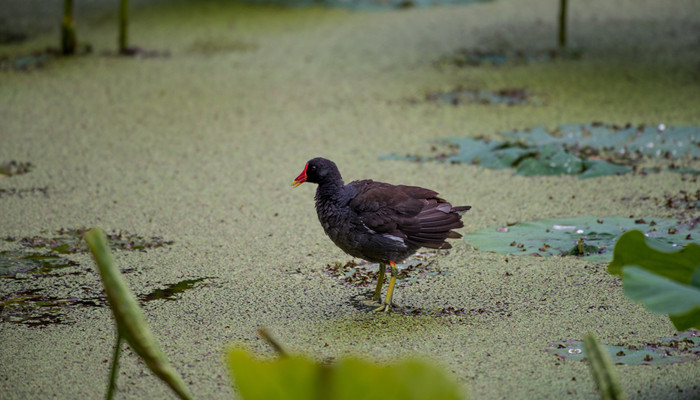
<point x="129" y="317"/>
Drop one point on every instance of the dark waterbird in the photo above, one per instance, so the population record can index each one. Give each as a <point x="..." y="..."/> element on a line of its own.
<point x="380" y="222"/>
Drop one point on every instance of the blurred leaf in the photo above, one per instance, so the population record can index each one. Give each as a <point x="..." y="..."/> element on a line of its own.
<point x="364" y="5"/>
<point x="602" y="369"/>
<point x="405" y="380"/>
<point x="299" y="378"/>
<point x="292" y="377"/>
<point x="688" y="320"/>
<point x="659" y="294"/>
<point x="665" y="282"/>
<point x="633" y="248"/>
<point x="129" y="317"/>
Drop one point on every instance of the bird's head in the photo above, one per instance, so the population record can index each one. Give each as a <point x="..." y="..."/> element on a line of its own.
<point x="317" y="170"/>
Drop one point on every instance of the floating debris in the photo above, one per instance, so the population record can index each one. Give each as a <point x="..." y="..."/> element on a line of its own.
<point x="35" y="309"/>
<point x="363" y="273"/>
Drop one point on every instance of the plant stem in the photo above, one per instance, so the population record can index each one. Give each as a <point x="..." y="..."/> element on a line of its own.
<point x="272" y="342"/>
<point x="123" y="22"/>
<point x="602" y="369"/>
<point x="115" y="367"/>
<point x="562" y="24"/>
<point x="68" y="36"/>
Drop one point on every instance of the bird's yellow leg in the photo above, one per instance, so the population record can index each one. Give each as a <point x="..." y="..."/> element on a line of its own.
<point x="390" y="292"/>
<point x="380" y="282"/>
<point x="378" y="291"/>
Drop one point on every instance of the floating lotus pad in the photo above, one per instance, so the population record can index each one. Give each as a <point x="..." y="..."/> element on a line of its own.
<point x="588" y="150"/>
<point x="24" y="191"/>
<point x="655" y="141"/>
<point x="568" y="236"/>
<point x="509" y="97"/>
<point x="475" y="57"/>
<point x="683" y="347"/>
<point x="13" y="167"/>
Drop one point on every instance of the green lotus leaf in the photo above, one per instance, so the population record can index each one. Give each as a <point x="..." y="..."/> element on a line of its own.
<point x="587" y="150"/>
<point x="567" y="236"/>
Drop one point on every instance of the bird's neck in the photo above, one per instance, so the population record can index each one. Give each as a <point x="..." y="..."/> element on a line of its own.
<point x="330" y="191"/>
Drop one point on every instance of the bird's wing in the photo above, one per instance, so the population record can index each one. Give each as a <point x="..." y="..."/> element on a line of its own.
<point x="411" y="213"/>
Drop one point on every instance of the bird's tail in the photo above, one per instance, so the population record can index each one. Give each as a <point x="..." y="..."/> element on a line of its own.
<point x="460" y="209"/>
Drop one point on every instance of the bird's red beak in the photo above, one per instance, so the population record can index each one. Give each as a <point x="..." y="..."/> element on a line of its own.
<point x="301" y="178"/>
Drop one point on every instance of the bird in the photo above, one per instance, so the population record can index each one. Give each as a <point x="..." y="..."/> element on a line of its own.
<point x="380" y="222"/>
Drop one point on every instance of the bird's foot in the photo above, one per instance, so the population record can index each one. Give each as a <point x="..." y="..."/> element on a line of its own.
<point x="371" y="303"/>
<point x="386" y="307"/>
<point x="379" y="306"/>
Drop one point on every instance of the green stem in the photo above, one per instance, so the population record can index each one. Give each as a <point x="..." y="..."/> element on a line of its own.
<point x="602" y="369"/>
<point x="115" y="367"/>
<point x="380" y="282"/>
<point x="562" y="24"/>
<point x="272" y="342"/>
<point x="68" y="36"/>
<point x="123" y="22"/>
